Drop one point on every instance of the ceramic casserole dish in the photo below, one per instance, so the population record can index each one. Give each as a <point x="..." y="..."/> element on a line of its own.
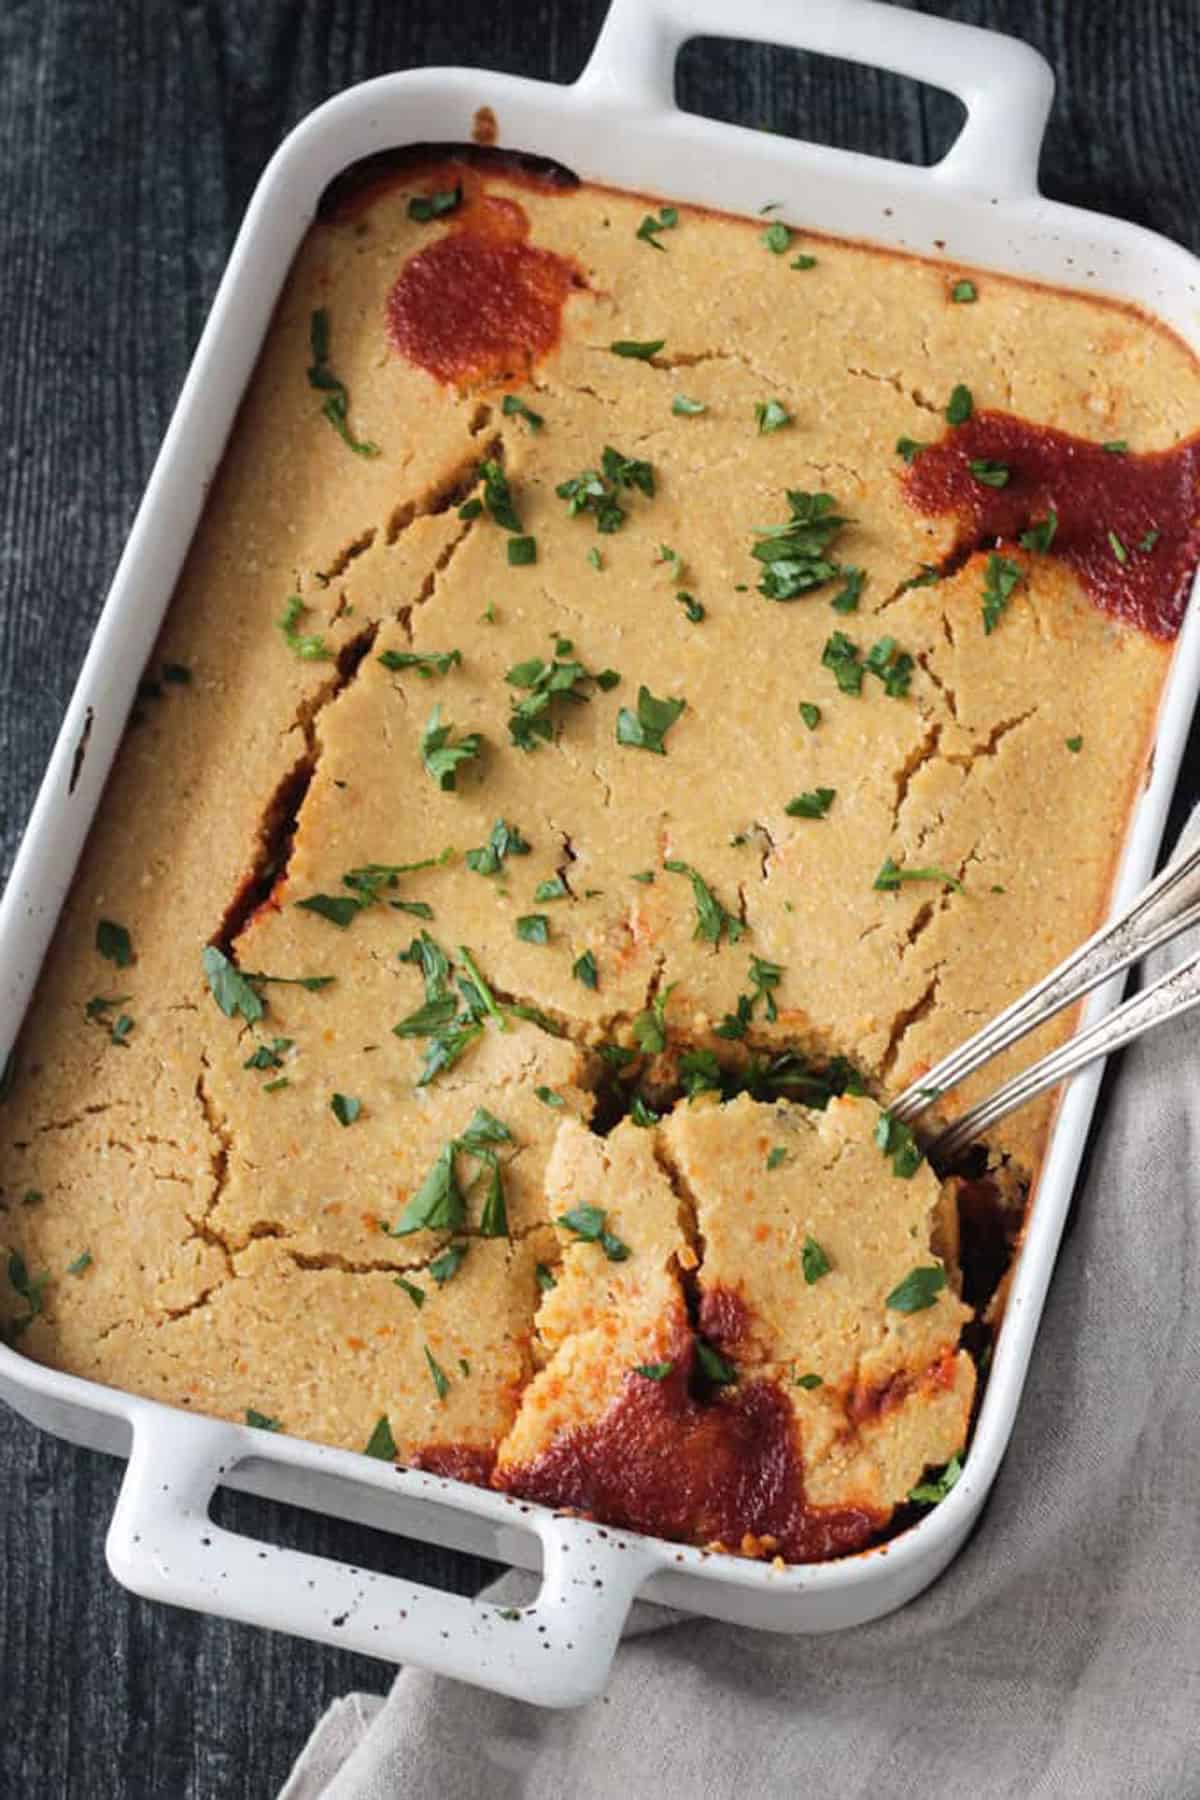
<point x="618" y="125"/>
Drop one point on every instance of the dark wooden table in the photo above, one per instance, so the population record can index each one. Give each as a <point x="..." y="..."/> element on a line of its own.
<point x="131" y="136"/>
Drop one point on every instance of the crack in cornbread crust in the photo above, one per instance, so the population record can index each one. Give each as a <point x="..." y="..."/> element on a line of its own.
<point x="181" y="1194"/>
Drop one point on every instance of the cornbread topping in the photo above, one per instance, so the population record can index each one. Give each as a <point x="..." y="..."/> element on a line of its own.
<point x="646" y="684"/>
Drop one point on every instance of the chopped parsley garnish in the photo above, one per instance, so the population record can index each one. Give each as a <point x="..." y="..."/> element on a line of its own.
<point x="847" y="598"/>
<point x="650" y="1027"/>
<point x="599" y="491"/>
<point x="1117" y="547"/>
<point x="114" y="943"/>
<point x="893" y="667"/>
<point x="230" y="988"/>
<point x="795" y="553"/>
<point x="545" y="1278"/>
<point x="339" y="909"/>
<point x="337" y="399"/>
<point x="587" y="1223"/>
<point x="442" y="757"/>
<point x="642" y="352"/>
<point x="650" y="227"/>
<point x="714" y="1365"/>
<point x="960" y="406"/>
<point x="533" y="928"/>
<point x="28" y="1288"/>
<point x="259" y="1421"/>
<point x="1075" y="745"/>
<point x="513" y="407"/>
<point x="699" y="1073"/>
<point x="1148" y="542"/>
<point x="645" y="876"/>
<point x="555" y="888"/>
<point x="497" y="496"/>
<point x="928" y="577"/>
<point x="1116" y="446"/>
<point x="584" y="970"/>
<point x="531" y="722"/>
<point x="770" y="416"/>
<point x="646" y="729"/>
<point x="963" y="292"/>
<point x="910" y="449"/>
<point x="99" y="1004"/>
<point x="1041" y="532"/>
<point x="939" y="1484"/>
<point x="991" y="474"/>
<point x="424" y="207"/>
<point x="653" y="1371"/>
<point x="439" y="1204"/>
<point x="269" y="1056"/>
<point x="416" y="1294"/>
<point x="505" y="840"/>
<point x="803" y="262"/>
<point x="684" y="408"/>
<point x="381" y="1444"/>
<point x="521" y="552"/>
<point x="712" y="919"/>
<point x="919" y="1290"/>
<point x="1000" y="578"/>
<point x="891" y="875"/>
<point x="594" y="558"/>
<point x="777" y="238"/>
<point x="641" y="1114"/>
<point x="764" y="979"/>
<point x="810" y="714"/>
<point x="897" y="1141"/>
<point x="445" y="1267"/>
<point x="808" y="1381"/>
<point x="309" y="648"/>
<point x="549" y="1097"/>
<point x="693" y="610"/>
<point x="345" y="1108"/>
<point x="776" y="1157"/>
<point x="427" y="662"/>
<point x="366" y="886"/>
<point x="80" y="1264"/>
<point x="814" y="805"/>
<point x="471" y="509"/>
<point x="122" y="1027"/>
<point x="813" y="1261"/>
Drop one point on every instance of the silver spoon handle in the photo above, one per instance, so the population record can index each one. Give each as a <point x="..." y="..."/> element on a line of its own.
<point x="1168" y="998"/>
<point x="1160" y="912"/>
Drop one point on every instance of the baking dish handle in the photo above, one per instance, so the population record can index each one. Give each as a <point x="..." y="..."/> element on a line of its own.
<point x="1005" y="85"/>
<point x="557" y="1651"/>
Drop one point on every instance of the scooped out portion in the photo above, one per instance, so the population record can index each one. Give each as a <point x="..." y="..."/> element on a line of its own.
<point x="753" y="1343"/>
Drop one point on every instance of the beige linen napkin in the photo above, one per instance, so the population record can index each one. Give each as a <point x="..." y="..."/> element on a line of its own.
<point x="1060" y="1655"/>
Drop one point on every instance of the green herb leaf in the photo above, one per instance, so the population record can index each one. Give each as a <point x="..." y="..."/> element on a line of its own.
<point x="808" y="1381"/>
<point x="339" y="909"/>
<point x="438" y="1203"/>
<point x="714" y="1364"/>
<point x="684" y="408"/>
<point x="261" y="1421"/>
<point x="1075" y="745"/>
<point x="963" y="292"/>
<point x="336" y="406"/>
<point x="795" y="553"/>
<point x="584" y="970"/>
<point x="893" y="667"/>
<point x="776" y="1157"/>
<point x="847" y="598"/>
<point x="521" y="552"/>
<point x="416" y="1294"/>
<point x="777" y="238"/>
<point x="653" y="1371"/>
<point x="424" y="207"/>
<point x="114" y="943"/>
<point x="991" y="474"/>
<point x="80" y="1263"/>
<point x="642" y="352"/>
<point x="1040" y="534"/>
<point x="803" y="262"/>
<point x="939" y="1484"/>
<point x="841" y="657"/>
<point x="919" y="1290"/>
<point x="545" y="1278"/>
<point x="533" y="928"/>
<point x="647" y="729"/>
<point x="813" y="1261"/>
<point x="1000" y="578"/>
<point x="549" y="1097"/>
<point x="381" y="1443"/>
<point x="427" y="662"/>
<point x="442" y="757"/>
<point x="711" y="917"/>
<point x="960" y="406"/>
<point x="1118" y="548"/>
<point x="230" y="988"/>
<point x="345" y="1109"/>
<point x="269" y="1056"/>
<point x="897" y="1141"/>
<point x="910" y="449"/>
<point x="311" y="648"/>
<point x="650" y="1027"/>
<point x="505" y="840"/>
<point x="814" y="805"/>
<point x="810" y="714"/>
<point x="666" y="220"/>
<point x="1116" y="446"/>
<point x="641" y="1114"/>
<point x="587" y="1223"/>
<point x="445" y="1267"/>
<point x="891" y="875"/>
<point x="513" y="407"/>
<point x="770" y="416"/>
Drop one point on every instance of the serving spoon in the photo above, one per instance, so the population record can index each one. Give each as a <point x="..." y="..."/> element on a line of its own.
<point x="1163" y="909"/>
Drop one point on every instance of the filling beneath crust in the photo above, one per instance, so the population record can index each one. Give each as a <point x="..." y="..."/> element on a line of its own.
<point x="645" y="686"/>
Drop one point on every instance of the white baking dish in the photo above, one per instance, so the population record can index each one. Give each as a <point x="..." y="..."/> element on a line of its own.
<point x="618" y="124"/>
